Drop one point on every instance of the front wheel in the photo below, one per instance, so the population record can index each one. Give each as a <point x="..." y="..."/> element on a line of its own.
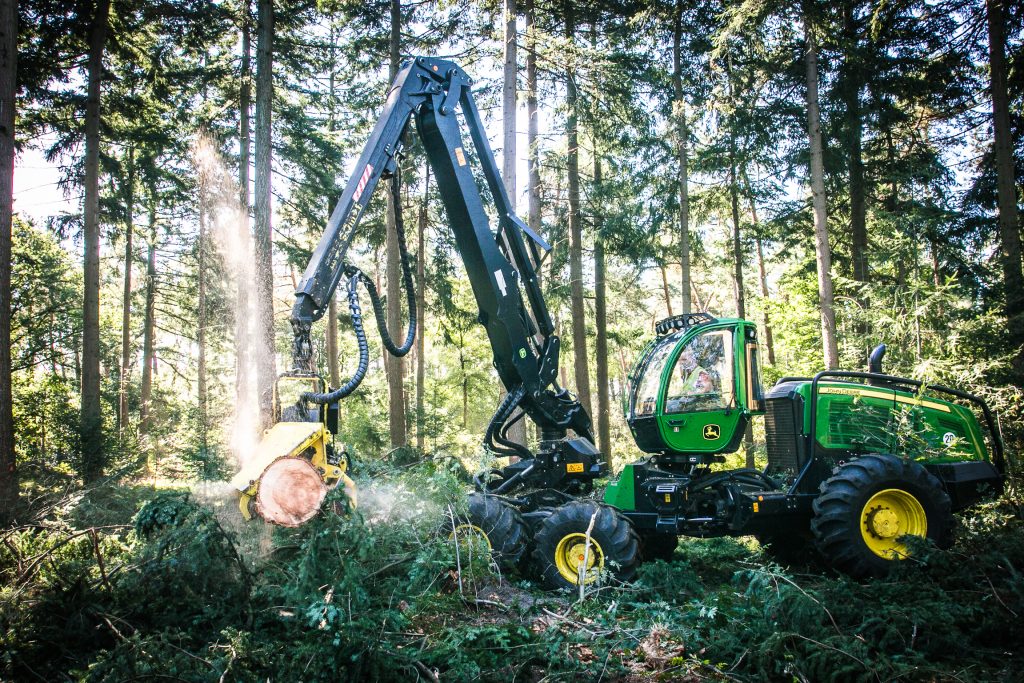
<point x="868" y="507"/>
<point x="493" y="525"/>
<point x="566" y="555"/>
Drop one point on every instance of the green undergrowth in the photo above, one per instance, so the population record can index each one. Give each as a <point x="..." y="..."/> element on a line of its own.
<point x="136" y="583"/>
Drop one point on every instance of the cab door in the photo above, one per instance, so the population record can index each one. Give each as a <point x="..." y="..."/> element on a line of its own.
<point x="699" y="410"/>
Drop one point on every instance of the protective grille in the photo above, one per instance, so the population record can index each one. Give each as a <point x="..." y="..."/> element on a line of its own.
<point x="781" y="435"/>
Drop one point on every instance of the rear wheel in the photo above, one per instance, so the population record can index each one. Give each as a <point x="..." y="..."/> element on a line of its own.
<point x="869" y="505"/>
<point x="565" y="556"/>
<point x="492" y="525"/>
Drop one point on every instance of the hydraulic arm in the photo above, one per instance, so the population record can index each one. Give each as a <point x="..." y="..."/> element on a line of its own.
<point x="501" y="265"/>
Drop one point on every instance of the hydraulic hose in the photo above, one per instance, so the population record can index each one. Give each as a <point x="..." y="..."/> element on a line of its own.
<point x="364" y="350"/>
<point x="355" y="277"/>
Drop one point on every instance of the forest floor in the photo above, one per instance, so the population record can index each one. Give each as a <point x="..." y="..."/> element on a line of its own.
<point x="130" y="582"/>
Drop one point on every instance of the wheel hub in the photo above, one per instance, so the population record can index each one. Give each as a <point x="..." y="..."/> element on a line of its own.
<point x="576" y="555"/>
<point x="888" y="516"/>
<point x="883" y="523"/>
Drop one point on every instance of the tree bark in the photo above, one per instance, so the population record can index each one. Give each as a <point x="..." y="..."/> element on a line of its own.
<point x="333" y="369"/>
<point x="266" y="366"/>
<point x="243" y="361"/>
<point x="201" y="320"/>
<point x="93" y="457"/>
<point x="682" y="151"/>
<point x="1006" y="184"/>
<point x="149" y="329"/>
<point x="829" y="344"/>
<point x="8" y="92"/>
<point x="533" y="218"/>
<point x="762" y="272"/>
<point x="579" y="311"/>
<point x="604" y="435"/>
<point x="854" y="125"/>
<point x="737" y="245"/>
<point x="394" y="364"/>
<point x="126" y="301"/>
<point x="665" y="290"/>
<point x="421" y="314"/>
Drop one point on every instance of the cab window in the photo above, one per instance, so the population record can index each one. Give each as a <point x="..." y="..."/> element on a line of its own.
<point x="702" y="378"/>
<point x="646" y="397"/>
<point x="755" y="394"/>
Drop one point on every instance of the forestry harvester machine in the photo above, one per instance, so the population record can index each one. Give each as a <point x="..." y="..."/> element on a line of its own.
<point x="857" y="461"/>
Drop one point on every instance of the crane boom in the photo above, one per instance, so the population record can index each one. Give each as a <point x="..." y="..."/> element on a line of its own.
<point x="501" y="265"/>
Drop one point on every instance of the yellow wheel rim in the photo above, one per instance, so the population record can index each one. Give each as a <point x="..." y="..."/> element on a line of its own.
<point x="570" y="555"/>
<point x="470" y="538"/>
<point x="889" y="515"/>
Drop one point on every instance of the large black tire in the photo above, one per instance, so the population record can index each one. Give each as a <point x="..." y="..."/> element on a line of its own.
<point x="658" y="546"/>
<point x="560" y="545"/>
<point x="870" y="503"/>
<point x="499" y="523"/>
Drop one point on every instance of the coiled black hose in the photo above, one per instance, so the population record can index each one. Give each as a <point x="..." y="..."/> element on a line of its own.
<point x="355" y="277"/>
<point x="364" y="350"/>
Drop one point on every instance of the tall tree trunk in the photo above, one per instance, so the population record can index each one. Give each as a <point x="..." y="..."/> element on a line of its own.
<point x="395" y="365"/>
<point x="201" y="320"/>
<point x="604" y="434"/>
<point x="244" y="284"/>
<point x="149" y="330"/>
<point x="579" y="310"/>
<point x="682" y="151"/>
<point x="532" y="132"/>
<point x="517" y="432"/>
<point x="1006" y="184"/>
<point x="421" y="314"/>
<point x="8" y="92"/>
<point x="266" y="366"/>
<point x="737" y="245"/>
<point x="93" y="458"/>
<point x="829" y="344"/>
<point x="665" y="290"/>
<point x="762" y="273"/>
<point x="854" y="124"/>
<point x="333" y="369"/>
<point x="126" y="301"/>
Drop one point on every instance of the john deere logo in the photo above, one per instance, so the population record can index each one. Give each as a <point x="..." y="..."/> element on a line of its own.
<point x="712" y="432"/>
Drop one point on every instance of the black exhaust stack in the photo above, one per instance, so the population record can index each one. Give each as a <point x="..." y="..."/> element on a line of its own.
<point x="875" y="363"/>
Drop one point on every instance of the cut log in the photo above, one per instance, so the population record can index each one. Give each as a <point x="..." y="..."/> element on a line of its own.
<point x="290" y="492"/>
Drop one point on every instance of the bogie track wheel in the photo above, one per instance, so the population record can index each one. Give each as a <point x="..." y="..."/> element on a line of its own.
<point x="563" y="554"/>
<point x="869" y="505"/>
<point x="494" y="525"/>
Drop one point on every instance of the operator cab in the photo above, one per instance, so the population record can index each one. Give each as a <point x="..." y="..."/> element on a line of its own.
<point x="694" y="389"/>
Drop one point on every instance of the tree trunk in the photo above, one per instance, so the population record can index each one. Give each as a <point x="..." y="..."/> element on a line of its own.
<point x="149" y="330"/>
<point x="737" y="245"/>
<point x="579" y="311"/>
<point x="266" y="367"/>
<point x="854" y="125"/>
<point x="762" y="273"/>
<point x="8" y="92"/>
<point x="604" y="434"/>
<point x="1006" y="184"/>
<point x="421" y="314"/>
<point x="532" y="133"/>
<point x="665" y="289"/>
<point x="92" y="409"/>
<point x="824" y="255"/>
<point x="395" y="365"/>
<point x="242" y="306"/>
<point x="333" y="369"/>
<point x="682" y="151"/>
<point x="517" y="432"/>
<point x="126" y="301"/>
<point x="201" y="388"/>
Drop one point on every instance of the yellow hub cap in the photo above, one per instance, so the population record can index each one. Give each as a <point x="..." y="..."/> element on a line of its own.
<point x="889" y="515"/>
<point x="471" y="538"/>
<point x="572" y="557"/>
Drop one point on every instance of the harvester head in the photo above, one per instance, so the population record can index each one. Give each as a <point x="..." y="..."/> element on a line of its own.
<point x="295" y="464"/>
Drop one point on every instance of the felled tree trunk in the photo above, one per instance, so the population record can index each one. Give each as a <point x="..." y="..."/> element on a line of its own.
<point x="290" y="492"/>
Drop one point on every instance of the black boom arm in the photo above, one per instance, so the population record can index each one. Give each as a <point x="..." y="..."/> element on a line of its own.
<point x="501" y="265"/>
